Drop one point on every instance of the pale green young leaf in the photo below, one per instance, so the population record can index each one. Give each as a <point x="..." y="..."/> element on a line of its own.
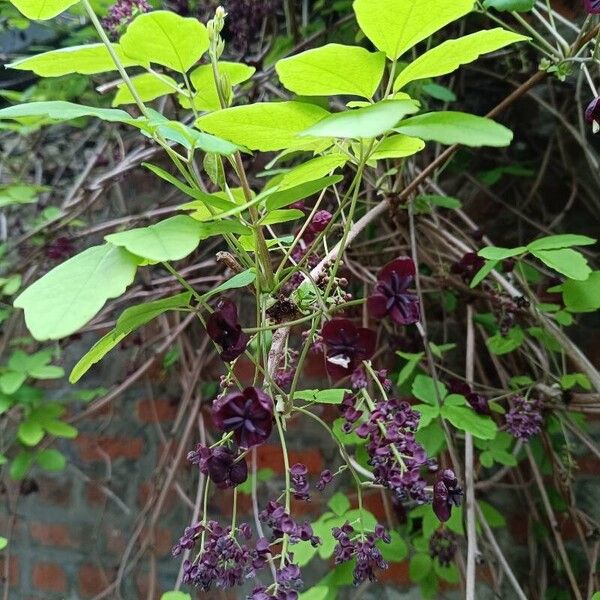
<point x="329" y="396"/>
<point x="60" y="429"/>
<point x="281" y="216"/>
<point x="499" y="253"/>
<point x="466" y="419"/>
<point x="264" y="125"/>
<point x="450" y="127"/>
<point x="424" y="388"/>
<point x="203" y="80"/>
<point x="171" y="239"/>
<point x="582" y="296"/>
<point x="332" y="69"/>
<point x="3" y="543"/>
<point x="42" y="9"/>
<point x="317" y="592"/>
<point x="516" y="5"/>
<point x="237" y="281"/>
<point x="148" y="86"/>
<point x="21" y="465"/>
<point x="427" y="414"/>
<point x="175" y="596"/>
<point x="367" y="122"/>
<point x="165" y="38"/>
<point x="59" y="110"/>
<point x="397" y="146"/>
<point x="285" y="197"/>
<point x="565" y="240"/>
<point x="394" y="26"/>
<point x="339" y="504"/>
<point x="131" y="319"/>
<point x="420" y="566"/>
<point x="51" y="460"/>
<point x="67" y="297"/>
<point x="566" y="261"/>
<point x="503" y="344"/>
<point x="450" y="55"/>
<point x="313" y="169"/>
<point x="11" y="381"/>
<point x="30" y="433"/>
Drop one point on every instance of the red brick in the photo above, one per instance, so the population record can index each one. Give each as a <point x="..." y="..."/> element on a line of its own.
<point x="145" y="490"/>
<point x="92" y="580"/>
<point x="396" y="573"/>
<point x="143" y="586"/>
<point x="54" y="491"/>
<point x="270" y="456"/>
<point x="51" y="534"/>
<point x="116" y="541"/>
<point x="94" y="494"/>
<point x="160" y="540"/>
<point x="94" y="448"/>
<point x="13" y="570"/>
<point x="151" y="411"/>
<point x="49" y="577"/>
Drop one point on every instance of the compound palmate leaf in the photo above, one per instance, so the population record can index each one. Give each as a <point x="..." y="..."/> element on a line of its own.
<point x="42" y="9"/>
<point x="67" y="297"/>
<point x="263" y="126"/>
<point x="132" y="318"/>
<point x="394" y="26"/>
<point x="450" y="127"/>
<point x="333" y="69"/>
<point x="447" y="57"/>
<point x="165" y="38"/>
<point x="85" y="60"/>
<point x="171" y="239"/>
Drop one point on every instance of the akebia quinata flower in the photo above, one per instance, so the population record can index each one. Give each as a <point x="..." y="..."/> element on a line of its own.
<point x="223" y="328"/>
<point x="249" y="414"/>
<point x="446" y="492"/>
<point x="346" y="346"/>
<point x="392" y="297"/>
<point x="592" y="112"/>
<point x="592" y="6"/>
<point x="221" y="464"/>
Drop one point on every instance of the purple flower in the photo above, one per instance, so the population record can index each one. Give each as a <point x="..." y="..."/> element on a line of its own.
<point x="592" y="112"/>
<point x="121" y="13"/>
<point x="524" y="419"/>
<point x="391" y="296"/>
<point x="446" y="492"/>
<point x="478" y="402"/>
<point x="468" y="266"/>
<point x="325" y="479"/>
<point x="60" y="248"/>
<point x="347" y="346"/>
<point x="222" y="465"/>
<point x="300" y="487"/>
<point x="442" y="545"/>
<point x="223" y="328"/>
<point x="249" y="414"/>
<point x="592" y="6"/>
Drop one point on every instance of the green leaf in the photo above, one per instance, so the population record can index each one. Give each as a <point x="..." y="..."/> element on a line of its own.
<point x="3" y="543"/>
<point x="397" y="146"/>
<point x="503" y="344"/>
<point x="18" y="193"/>
<point x="396" y="550"/>
<point x="60" y="429"/>
<point x="582" y="296"/>
<point x="59" y="110"/>
<point x="424" y="388"/>
<point x="148" y="87"/>
<point x="596" y="596"/>
<point x="339" y="504"/>
<point x="366" y="122"/>
<point x="171" y="239"/>
<point x="51" y="460"/>
<point x="237" y="281"/>
<point x="164" y="38"/>
<point x="450" y="127"/>
<point x="487" y="268"/>
<point x="47" y="372"/>
<point x="516" y="5"/>
<point x="566" y="261"/>
<point x="42" y="9"/>
<point x="312" y="170"/>
<point x="67" y="297"/>
<point x="285" y="197"/>
<point x="21" y="465"/>
<point x="450" y="55"/>
<point x="566" y="240"/>
<point x="85" y="60"/>
<point x="428" y="414"/>
<point x="329" y="396"/>
<point x="332" y="69"/>
<point x="175" y="596"/>
<point x="281" y="216"/>
<point x="11" y="381"/>
<point x="318" y="592"/>
<point x="420" y="566"/>
<point x="467" y="419"/>
<point x="492" y="515"/>
<point x="131" y="319"/>
<point x="499" y="253"/>
<point x="203" y="80"/>
<point x="449" y="573"/>
<point x="432" y="438"/>
<point x="264" y="125"/>
<point x="394" y="26"/>
<point x="30" y="433"/>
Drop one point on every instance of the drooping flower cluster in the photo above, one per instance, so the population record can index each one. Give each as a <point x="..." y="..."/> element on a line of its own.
<point x="446" y="493"/>
<point x="223" y="328"/>
<point x="281" y="523"/>
<point x="299" y="480"/>
<point x="478" y="402"/>
<point x="468" y="266"/>
<point x="249" y="414"/>
<point x="391" y="296"/>
<point x="346" y="346"/>
<point x="289" y="583"/>
<point x="121" y="13"/>
<point x="325" y="479"/>
<point x="221" y="464"/>
<point x="394" y="453"/>
<point x="592" y="6"/>
<point x="524" y="419"/>
<point x="443" y="546"/>
<point x="362" y="547"/>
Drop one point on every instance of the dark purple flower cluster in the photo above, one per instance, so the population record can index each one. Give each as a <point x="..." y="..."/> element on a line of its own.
<point x="325" y="479"/>
<point x="592" y="113"/>
<point x="223" y="328"/>
<point x="446" y="493"/>
<point x="442" y="546"/>
<point x="224" y="562"/>
<point x="359" y="379"/>
<point x="281" y="523"/>
<point x="317" y="224"/>
<point x="363" y="548"/>
<point x="299" y="480"/>
<point x="478" y="402"/>
<point x="391" y="296"/>
<point x="394" y="454"/>
<point x="592" y="6"/>
<point x="121" y="13"/>
<point x="249" y="414"/>
<point x="524" y="419"/>
<point x="188" y="540"/>
<point x="60" y="248"/>
<point x="347" y="346"/>
<point x="468" y="266"/>
<point x="224" y="467"/>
